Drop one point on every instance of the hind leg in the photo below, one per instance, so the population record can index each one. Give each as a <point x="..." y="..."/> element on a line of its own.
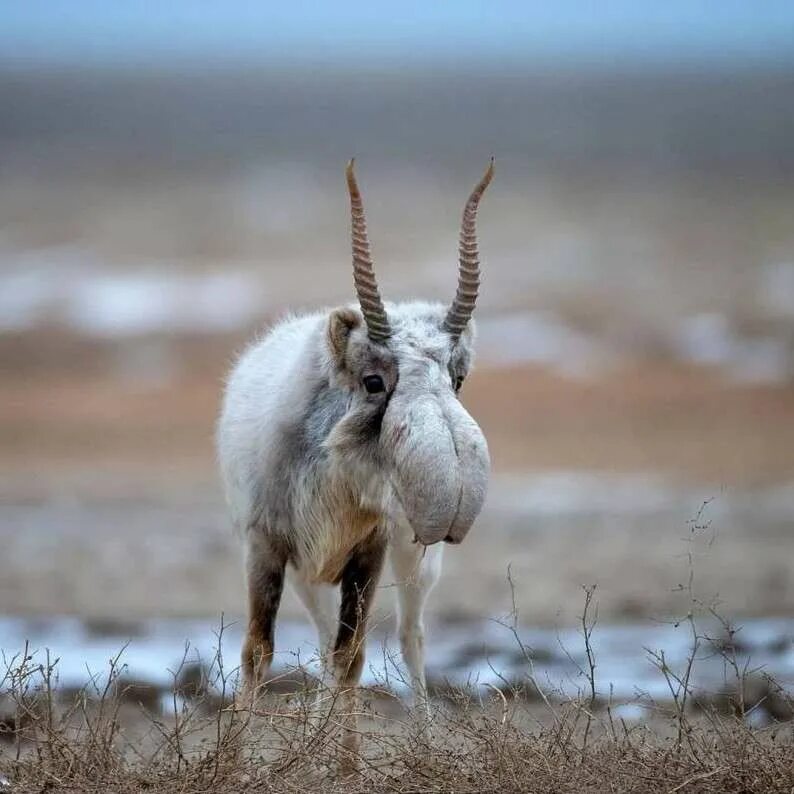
<point x="320" y="601"/>
<point x="265" y="561"/>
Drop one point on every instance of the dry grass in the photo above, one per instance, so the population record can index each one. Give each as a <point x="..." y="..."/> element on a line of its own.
<point x="121" y="735"/>
<point x="113" y="735"/>
<point x="471" y="745"/>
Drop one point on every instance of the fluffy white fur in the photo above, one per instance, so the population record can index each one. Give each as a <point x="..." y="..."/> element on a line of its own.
<point x="298" y="463"/>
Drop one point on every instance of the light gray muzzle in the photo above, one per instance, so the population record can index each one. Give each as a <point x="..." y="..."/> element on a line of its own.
<point x="440" y="464"/>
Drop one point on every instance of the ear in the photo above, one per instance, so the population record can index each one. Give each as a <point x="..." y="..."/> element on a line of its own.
<point x="340" y="323"/>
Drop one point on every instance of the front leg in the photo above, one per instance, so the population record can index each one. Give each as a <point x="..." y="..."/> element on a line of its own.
<point x="265" y="561"/>
<point x="416" y="570"/>
<point x="359" y="581"/>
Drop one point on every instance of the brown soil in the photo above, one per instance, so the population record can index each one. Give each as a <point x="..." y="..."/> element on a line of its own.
<point x="687" y="423"/>
<point x="122" y="478"/>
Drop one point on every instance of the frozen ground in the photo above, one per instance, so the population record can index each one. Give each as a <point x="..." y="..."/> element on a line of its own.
<point x="475" y="653"/>
<point x="70" y="288"/>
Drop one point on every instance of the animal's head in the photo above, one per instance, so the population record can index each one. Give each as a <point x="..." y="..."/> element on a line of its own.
<point x="403" y="366"/>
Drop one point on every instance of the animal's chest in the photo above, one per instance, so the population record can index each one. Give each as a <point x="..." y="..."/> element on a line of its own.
<point x="332" y="539"/>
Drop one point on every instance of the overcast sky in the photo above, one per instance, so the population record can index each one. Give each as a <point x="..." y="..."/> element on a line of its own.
<point x="217" y="32"/>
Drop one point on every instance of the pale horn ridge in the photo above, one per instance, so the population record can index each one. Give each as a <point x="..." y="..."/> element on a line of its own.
<point x="469" y="262"/>
<point x="378" y="328"/>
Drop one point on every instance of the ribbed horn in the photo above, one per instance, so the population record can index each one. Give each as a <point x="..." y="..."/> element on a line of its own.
<point x="372" y="308"/>
<point x="462" y="307"/>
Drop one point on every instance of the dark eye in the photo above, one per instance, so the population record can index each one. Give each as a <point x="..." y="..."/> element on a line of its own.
<point x="374" y="384"/>
<point x="458" y="383"/>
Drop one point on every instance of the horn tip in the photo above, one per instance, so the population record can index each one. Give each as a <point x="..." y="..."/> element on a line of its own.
<point x="351" y="178"/>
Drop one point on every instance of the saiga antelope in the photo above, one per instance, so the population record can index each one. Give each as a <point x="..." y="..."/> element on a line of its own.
<point x="342" y="439"/>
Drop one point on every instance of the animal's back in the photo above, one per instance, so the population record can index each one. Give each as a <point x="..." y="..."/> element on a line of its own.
<point x="266" y="388"/>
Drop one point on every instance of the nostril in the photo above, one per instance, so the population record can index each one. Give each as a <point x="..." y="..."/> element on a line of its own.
<point x="450" y="539"/>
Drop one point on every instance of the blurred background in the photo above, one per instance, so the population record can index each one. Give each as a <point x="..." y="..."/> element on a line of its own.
<point x="171" y="181"/>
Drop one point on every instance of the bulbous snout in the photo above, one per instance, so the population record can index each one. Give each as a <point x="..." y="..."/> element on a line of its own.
<point x="440" y="464"/>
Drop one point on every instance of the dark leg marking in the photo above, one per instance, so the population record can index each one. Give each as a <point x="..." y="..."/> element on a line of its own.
<point x="267" y="559"/>
<point x="359" y="582"/>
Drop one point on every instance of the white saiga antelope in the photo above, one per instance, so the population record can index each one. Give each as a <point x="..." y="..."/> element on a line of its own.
<point x="341" y="438"/>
